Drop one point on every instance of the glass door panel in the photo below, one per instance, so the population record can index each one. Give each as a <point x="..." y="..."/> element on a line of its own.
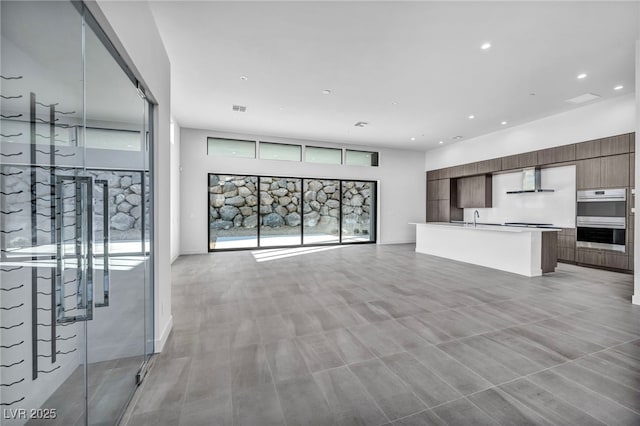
<point x="358" y="211"/>
<point x="280" y="206"/>
<point x="116" y="150"/>
<point x="75" y="279"/>
<point x="233" y="211"/>
<point x="42" y="340"/>
<point x="321" y="208"/>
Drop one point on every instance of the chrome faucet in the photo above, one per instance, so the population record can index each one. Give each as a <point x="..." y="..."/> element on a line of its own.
<point x="475" y="215"/>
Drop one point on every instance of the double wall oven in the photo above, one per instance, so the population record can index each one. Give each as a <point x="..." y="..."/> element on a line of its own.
<point x="601" y="219"/>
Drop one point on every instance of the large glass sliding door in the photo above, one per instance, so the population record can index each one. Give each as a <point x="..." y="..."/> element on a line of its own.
<point x="358" y="211"/>
<point x="321" y="211"/>
<point x="75" y="282"/>
<point x="270" y="211"/>
<point x="280" y="220"/>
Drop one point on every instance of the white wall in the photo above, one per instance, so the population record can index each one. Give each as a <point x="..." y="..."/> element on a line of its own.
<point x="133" y="30"/>
<point x="400" y="176"/>
<point x="602" y="119"/>
<point x="175" y="192"/>
<point x="556" y="208"/>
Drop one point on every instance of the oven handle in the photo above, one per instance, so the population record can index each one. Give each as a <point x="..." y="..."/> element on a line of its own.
<point x="601" y="225"/>
<point x="600" y="199"/>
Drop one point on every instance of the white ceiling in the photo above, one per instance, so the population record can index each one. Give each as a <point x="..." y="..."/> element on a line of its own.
<point x="424" y="56"/>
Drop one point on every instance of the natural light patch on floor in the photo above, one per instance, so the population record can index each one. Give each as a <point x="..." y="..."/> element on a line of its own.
<point x="274" y="254"/>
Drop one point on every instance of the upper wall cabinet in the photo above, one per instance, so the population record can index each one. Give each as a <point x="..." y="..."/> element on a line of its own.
<point x="474" y="191"/>
<point x="615" y="145"/>
<point x="438" y="189"/>
<point x="439" y="174"/>
<point x="520" y="161"/>
<point x="588" y="173"/>
<point x="489" y="166"/>
<point x="615" y="171"/>
<point x="603" y="172"/>
<point x="589" y="149"/>
<point x="559" y="154"/>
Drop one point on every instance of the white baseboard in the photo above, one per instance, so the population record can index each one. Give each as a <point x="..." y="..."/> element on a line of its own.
<point x="159" y="343"/>
<point x="397" y="242"/>
<point x="187" y="252"/>
<point x="635" y="299"/>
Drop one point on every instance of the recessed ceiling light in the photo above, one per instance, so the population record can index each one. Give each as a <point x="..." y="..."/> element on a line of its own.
<point x="441" y="142"/>
<point x="581" y="76"/>
<point x="361" y="123"/>
<point x="532" y="94"/>
<point x="394" y="103"/>
<point x="485" y="46"/>
<point x="503" y="123"/>
<point x="326" y="92"/>
<point x="413" y="139"/>
<point x="456" y="138"/>
<point x="471" y="117"/>
<point x="243" y="78"/>
<point x="618" y="87"/>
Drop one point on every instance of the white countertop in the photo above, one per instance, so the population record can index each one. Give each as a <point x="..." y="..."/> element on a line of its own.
<point x="492" y="228"/>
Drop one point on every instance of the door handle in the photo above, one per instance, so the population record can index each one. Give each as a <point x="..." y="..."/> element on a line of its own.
<point x="105" y="244"/>
<point x="83" y="249"/>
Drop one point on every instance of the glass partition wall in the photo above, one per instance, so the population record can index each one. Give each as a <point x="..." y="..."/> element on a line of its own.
<point x="269" y="211"/>
<point x="75" y="216"/>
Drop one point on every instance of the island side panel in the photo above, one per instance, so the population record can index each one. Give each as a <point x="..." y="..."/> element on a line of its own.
<point x="549" y="251"/>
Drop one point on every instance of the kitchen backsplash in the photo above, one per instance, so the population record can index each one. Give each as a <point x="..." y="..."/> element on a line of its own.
<point x="557" y="208"/>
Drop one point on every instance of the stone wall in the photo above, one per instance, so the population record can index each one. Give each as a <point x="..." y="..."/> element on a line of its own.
<point x="236" y="203"/>
<point x="125" y="204"/>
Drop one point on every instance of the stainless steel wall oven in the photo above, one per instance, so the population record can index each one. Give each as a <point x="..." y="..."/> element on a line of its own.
<point x="601" y="219"/>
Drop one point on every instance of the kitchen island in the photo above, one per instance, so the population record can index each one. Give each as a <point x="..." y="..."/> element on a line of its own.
<point x="521" y="250"/>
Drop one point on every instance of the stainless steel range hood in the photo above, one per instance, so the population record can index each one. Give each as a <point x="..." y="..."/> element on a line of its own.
<point x="531" y="182"/>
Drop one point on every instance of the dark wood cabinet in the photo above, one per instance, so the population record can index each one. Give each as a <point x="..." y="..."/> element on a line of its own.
<point x="438" y="174"/>
<point x="520" y="161"/>
<point x="589" y="149"/>
<point x="438" y="200"/>
<point x="489" y="166"/>
<point x="614" y="171"/>
<point x="432" y="211"/>
<point x="614" y="145"/>
<point x="438" y="211"/>
<point x="632" y="170"/>
<point x="444" y="213"/>
<point x="632" y="142"/>
<point x="589" y="257"/>
<point x="432" y="190"/>
<point x="510" y="162"/>
<point x="588" y="173"/>
<point x="474" y="191"/>
<point x="470" y="169"/>
<point x="603" y="172"/>
<point x="457" y="171"/>
<point x="567" y="245"/>
<point x="602" y="258"/>
<point x="616" y="260"/>
<point x="558" y="154"/>
<point x="443" y="189"/>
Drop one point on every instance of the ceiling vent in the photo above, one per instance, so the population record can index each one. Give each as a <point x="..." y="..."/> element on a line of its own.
<point x="583" y="98"/>
<point x="361" y="124"/>
<point x="239" y="108"/>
